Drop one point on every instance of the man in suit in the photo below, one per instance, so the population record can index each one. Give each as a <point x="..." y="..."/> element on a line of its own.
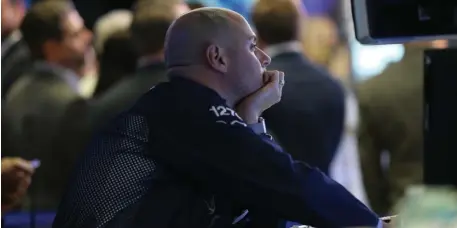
<point x="42" y="107"/>
<point x="149" y="26"/>
<point x="312" y="106"/>
<point x="194" y="152"/>
<point x="116" y="56"/>
<point x="15" y="54"/>
<point x="391" y="131"/>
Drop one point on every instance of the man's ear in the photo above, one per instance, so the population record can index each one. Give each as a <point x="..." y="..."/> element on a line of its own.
<point x="50" y="48"/>
<point x="217" y="58"/>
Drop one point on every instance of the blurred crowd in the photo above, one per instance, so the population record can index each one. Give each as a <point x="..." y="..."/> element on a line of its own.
<point x="61" y="83"/>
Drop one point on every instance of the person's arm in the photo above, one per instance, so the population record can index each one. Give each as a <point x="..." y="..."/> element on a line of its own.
<point x="224" y="154"/>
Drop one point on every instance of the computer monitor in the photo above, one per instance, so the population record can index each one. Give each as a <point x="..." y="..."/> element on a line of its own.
<point x="399" y="21"/>
<point x="440" y="124"/>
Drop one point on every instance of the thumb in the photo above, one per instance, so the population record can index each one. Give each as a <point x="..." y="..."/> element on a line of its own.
<point x="24" y="165"/>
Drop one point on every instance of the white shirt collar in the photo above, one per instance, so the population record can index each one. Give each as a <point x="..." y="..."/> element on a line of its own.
<point x="12" y="39"/>
<point x="285" y="47"/>
<point x="69" y="76"/>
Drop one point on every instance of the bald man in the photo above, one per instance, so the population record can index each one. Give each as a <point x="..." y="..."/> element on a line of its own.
<point x="193" y="152"/>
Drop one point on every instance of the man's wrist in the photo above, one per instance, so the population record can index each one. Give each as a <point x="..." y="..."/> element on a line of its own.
<point x="259" y="127"/>
<point x="248" y="116"/>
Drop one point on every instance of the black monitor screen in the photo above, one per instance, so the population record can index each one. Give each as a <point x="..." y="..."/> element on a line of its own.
<point x="440" y="93"/>
<point x="411" y="18"/>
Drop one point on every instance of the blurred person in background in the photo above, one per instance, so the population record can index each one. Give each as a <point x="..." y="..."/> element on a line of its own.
<point x="109" y="24"/>
<point x="319" y="39"/>
<point x="15" y="54"/>
<point x="117" y="61"/>
<point x="89" y="74"/>
<point x="43" y="106"/>
<point x="105" y="26"/>
<point x="391" y="131"/>
<point x="114" y="49"/>
<point x="312" y="105"/>
<point x="345" y="167"/>
<point x="151" y="20"/>
<point x="16" y="178"/>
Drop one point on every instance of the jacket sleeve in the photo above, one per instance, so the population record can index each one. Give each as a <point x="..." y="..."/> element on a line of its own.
<point x="225" y="154"/>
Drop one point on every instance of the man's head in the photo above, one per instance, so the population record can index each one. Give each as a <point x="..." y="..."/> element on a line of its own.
<point x="12" y="13"/>
<point x="55" y="32"/>
<point x="108" y="24"/>
<point x="221" y="45"/>
<point x="277" y="21"/>
<point x="151" y="21"/>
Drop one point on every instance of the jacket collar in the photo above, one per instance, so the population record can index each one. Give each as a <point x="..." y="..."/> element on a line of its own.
<point x="285" y="47"/>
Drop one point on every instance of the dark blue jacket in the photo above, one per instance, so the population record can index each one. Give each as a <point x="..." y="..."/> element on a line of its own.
<point x="311" y="110"/>
<point x="182" y="158"/>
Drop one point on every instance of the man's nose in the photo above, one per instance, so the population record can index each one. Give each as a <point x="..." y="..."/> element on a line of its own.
<point x="264" y="59"/>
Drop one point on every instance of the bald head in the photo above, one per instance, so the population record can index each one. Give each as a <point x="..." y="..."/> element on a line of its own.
<point x="191" y="34"/>
<point x="217" y="48"/>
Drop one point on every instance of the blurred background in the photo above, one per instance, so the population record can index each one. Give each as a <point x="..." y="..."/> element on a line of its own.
<point x="329" y="38"/>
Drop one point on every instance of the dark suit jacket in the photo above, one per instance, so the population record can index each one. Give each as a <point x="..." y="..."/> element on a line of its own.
<point x="42" y="112"/>
<point x="391" y="113"/>
<point x="15" y="62"/>
<point x="311" y="110"/>
<point x="125" y="93"/>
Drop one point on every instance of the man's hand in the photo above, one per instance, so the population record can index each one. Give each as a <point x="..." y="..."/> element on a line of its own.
<point x="253" y="105"/>
<point x="387" y="221"/>
<point x="16" y="178"/>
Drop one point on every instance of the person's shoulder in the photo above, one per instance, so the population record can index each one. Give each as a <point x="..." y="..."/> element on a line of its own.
<point x="23" y="51"/>
<point x="183" y="100"/>
<point x="24" y="86"/>
<point x="156" y="97"/>
<point x="302" y="69"/>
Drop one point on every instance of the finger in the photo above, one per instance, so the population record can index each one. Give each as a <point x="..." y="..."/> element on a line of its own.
<point x="274" y="76"/>
<point x="281" y="76"/>
<point x="281" y="81"/>
<point x="19" y="174"/>
<point x="23" y="165"/>
<point x="20" y="179"/>
<point x="22" y="189"/>
<point x="266" y="77"/>
<point x="26" y="182"/>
